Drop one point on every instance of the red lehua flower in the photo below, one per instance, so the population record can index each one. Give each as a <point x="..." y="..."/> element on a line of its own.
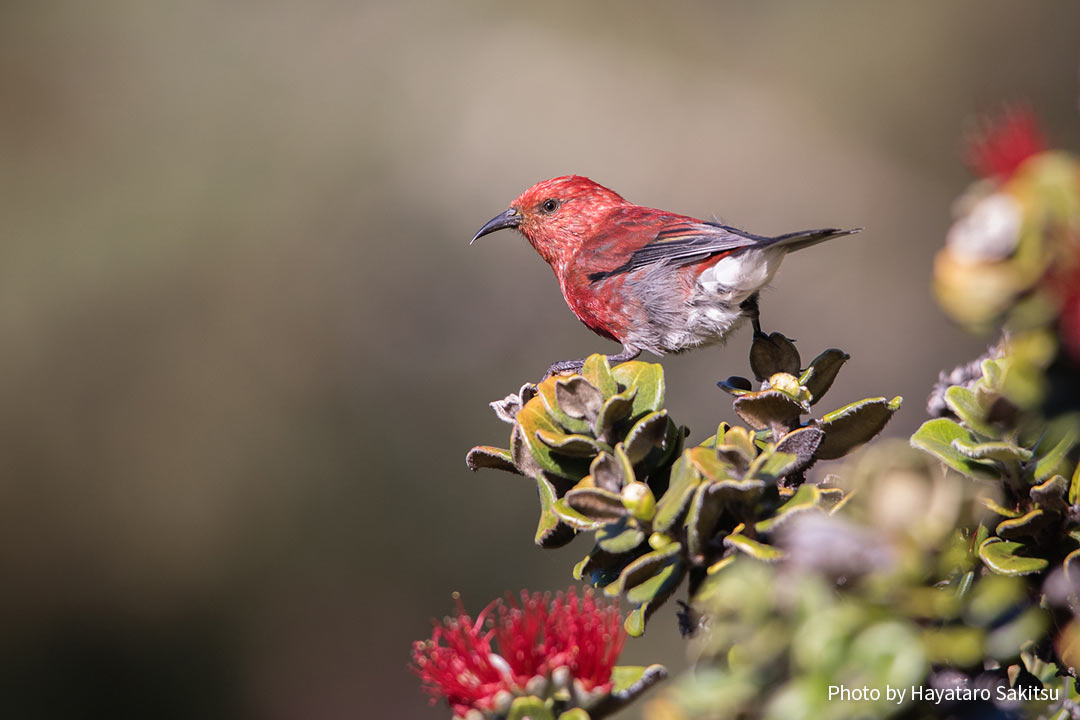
<point x="1002" y="145"/>
<point x="456" y="663"/>
<point x="537" y="636"/>
<point x="583" y="634"/>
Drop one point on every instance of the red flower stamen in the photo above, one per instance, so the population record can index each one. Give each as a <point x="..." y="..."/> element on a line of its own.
<point x="535" y="636"/>
<point x="1002" y="145"/>
<point x="455" y="663"/>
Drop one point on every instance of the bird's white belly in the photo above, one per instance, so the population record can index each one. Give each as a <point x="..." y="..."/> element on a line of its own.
<point x="713" y="308"/>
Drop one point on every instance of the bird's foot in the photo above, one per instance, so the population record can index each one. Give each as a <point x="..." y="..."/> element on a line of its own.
<point x="750" y="308"/>
<point x="565" y="366"/>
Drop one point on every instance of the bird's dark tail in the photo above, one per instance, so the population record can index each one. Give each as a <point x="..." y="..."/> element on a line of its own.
<point x="805" y="238"/>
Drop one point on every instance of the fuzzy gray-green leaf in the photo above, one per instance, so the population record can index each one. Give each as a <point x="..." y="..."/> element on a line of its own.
<point x="671" y="505"/>
<point x="648" y="433"/>
<point x="936" y="437"/>
<point x="578" y="398"/>
<point x="596" y="504"/>
<point x="551" y="532"/>
<point x="771" y="354"/>
<point x="853" y="425"/>
<point x="1002" y="557"/>
<point x="486" y="456"/>
<point x="823" y="369"/>
<point x="969" y="407"/>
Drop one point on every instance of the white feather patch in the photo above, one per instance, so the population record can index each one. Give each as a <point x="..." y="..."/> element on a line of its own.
<point x="739" y="276"/>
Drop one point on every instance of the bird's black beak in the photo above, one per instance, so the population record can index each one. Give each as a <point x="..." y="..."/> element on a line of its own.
<point x="508" y="219"/>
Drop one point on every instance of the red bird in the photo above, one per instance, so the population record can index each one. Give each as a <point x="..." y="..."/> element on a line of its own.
<point x="649" y="279"/>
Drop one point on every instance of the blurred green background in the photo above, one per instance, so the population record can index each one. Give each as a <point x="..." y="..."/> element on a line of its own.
<point x="246" y="344"/>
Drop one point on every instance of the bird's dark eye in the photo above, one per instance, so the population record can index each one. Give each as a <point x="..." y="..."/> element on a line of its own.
<point x="549" y="206"/>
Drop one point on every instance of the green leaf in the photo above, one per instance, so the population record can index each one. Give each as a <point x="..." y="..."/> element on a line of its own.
<point x="999" y="451"/>
<point x="832" y="498"/>
<point x="853" y="425"/>
<point x="1002" y="558"/>
<point x="803" y="444"/>
<point x="1074" y="486"/>
<point x="572" y="517"/>
<point x="529" y="708"/>
<point x="721" y="564"/>
<point x="770" y="466"/>
<point x="670" y="506"/>
<point x="629" y="681"/>
<point x="970" y="408"/>
<point x="551" y="532"/>
<point x="531" y="419"/>
<point x="993" y="372"/>
<point x="992" y="505"/>
<point x="1025" y="525"/>
<point x="736" y="446"/>
<point x="721" y="434"/>
<point x="1051" y="493"/>
<point x="635" y="621"/>
<point x="573" y="445"/>
<point x="599" y="565"/>
<point x="619" y="537"/>
<point x="1071" y="563"/>
<point x="598" y="372"/>
<point x="647" y="434"/>
<point x="486" y="456"/>
<point x="708" y="505"/>
<point x="546" y="392"/>
<point x="807" y="497"/>
<point x="608" y="473"/>
<point x="578" y="398"/>
<point x="626" y="467"/>
<point x="581" y="566"/>
<point x="614" y="410"/>
<point x="753" y="548"/>
<point x="596" y="504"/>
<point x="823" y="369"/>
<point x="1049" y="463"/>
<point x="655" y="586"/>
<point x="705" y="511"/>
<point x="735" y="385"/>
<point x="644" y="568"/>
<point x="761" y="410"/>
<point x="707" y="464"/>
<point x="648" y="380"/>
<point x="936" y="437"/>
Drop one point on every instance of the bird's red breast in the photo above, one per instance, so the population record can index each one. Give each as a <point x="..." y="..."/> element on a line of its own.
<point x="610" y="305"/>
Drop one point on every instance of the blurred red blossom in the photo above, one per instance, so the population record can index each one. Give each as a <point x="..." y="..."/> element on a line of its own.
<point x="535" y="636"/>
<point x="1003" y="144"/>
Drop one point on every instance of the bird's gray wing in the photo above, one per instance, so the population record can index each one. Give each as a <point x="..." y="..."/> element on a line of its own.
<point x="684" y="243"/>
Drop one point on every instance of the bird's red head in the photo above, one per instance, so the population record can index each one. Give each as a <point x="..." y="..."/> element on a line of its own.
<point x="556" y="215"/>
